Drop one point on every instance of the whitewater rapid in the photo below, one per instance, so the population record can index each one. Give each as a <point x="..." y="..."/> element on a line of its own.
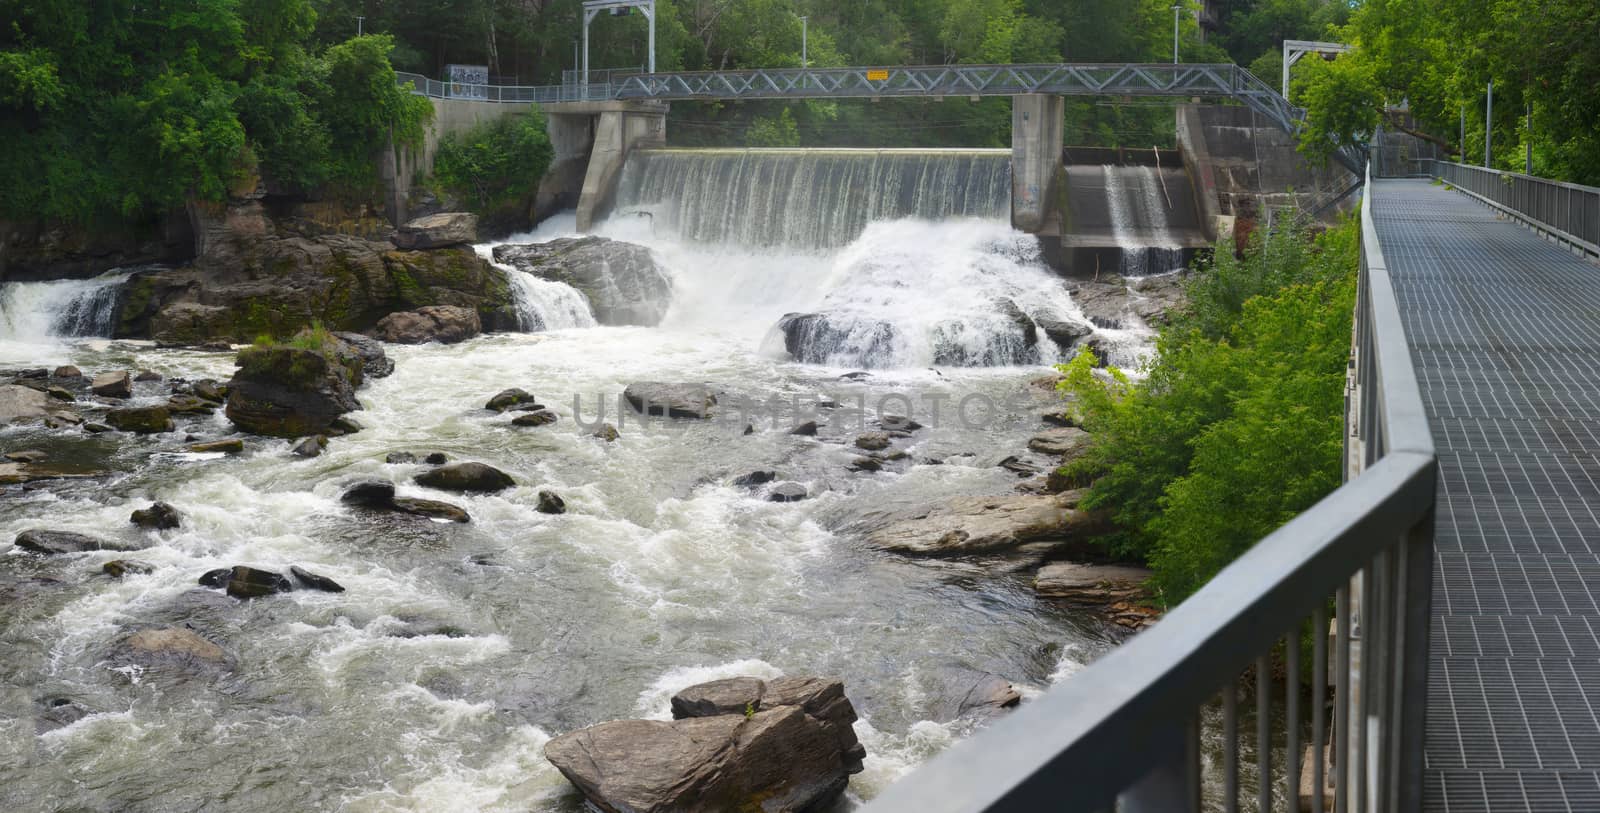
<point x="458" y="650"/>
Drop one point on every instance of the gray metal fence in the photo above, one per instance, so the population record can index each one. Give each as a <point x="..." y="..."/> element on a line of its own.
<point x="510" y="94"/>
<point x="1353" y="575"/>
<point x="1566" y="211"/>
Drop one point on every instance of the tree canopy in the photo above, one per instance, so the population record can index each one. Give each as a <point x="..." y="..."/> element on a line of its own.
<point x="126" y="108"/>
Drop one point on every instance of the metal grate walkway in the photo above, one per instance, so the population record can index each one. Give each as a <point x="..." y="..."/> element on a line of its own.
<point x="1505" y="335"/>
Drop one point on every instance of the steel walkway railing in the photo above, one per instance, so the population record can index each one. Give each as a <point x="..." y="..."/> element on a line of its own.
<point x="1221" y="80"/>
<point x="1567" y="212"/>
<point x="1126" y="732"/>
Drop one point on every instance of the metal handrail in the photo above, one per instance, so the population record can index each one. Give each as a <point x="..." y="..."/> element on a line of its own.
<point x="1124" y="732"/>
<point x="1567" y="212"/>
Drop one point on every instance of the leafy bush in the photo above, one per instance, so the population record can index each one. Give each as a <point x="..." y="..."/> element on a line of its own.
<point x="1238" y="423"/>
<point x="497" y="164"/>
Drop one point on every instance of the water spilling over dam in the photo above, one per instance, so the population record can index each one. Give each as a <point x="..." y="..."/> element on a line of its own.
<point x="809" y="199"/>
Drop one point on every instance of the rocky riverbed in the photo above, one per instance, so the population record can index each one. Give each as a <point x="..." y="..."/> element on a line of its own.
<point x="518" y="556"/>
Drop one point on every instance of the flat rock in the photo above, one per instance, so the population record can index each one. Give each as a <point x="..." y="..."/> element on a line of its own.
<point x="672" y="400"/>
<point x="1061" y="440"/>
<point x="963" y="525"/>
<point x="607" y="433"/>
<point x="226" y="445"/>
<point x="437" y="231"/>
<point x="791" y="749"/>
<point x="19" y="404"/>
<point x="432" y="509"/>
<point x="445" y="324"/>
<point x="1091" y="585"/>
<point x="173" y="642"/>
<point x="873" y="441"/>
<point x="147" y="420"/>
<point x="116" y="384"/>
<point x="52" y="543"/>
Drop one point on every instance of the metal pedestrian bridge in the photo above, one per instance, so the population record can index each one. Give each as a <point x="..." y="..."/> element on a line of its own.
<point x="1203" y="81"/>
<point x="1427" y="637"/>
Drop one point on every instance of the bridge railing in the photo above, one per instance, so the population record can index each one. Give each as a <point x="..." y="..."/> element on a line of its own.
<point x="1566" y="211"/>
<point x="510" y="94"/>
<point x="1126" y="732"/>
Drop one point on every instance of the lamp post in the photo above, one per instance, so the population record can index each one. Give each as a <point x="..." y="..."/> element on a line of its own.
<point x="1488" y="128"/>
<point x="1176" y="8"/>
<point x="359" y="20"/>
<point x="803" y="62"/>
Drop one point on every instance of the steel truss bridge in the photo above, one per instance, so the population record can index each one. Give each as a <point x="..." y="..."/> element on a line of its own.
<point x="1214" y="81"/>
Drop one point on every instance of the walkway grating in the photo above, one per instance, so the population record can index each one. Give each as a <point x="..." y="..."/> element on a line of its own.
<point x="1505" y="335"/>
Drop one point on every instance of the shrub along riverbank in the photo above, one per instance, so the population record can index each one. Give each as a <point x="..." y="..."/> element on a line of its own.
<point x="1237" y="425"/>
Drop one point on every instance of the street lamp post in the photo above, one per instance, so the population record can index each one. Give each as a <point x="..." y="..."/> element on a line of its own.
<point x="803" y="62"/>
<point x="359" y="20"/>
<point x="1176" y="8"/>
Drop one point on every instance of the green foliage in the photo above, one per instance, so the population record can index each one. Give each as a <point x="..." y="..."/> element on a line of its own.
<point x="496" y="164"/>
<point x="122" y="108"/>
<point x="28" y="79"/>
<point x="1237" y="424"/>
<point x="1438" y="56"/>
<point x="1342" y="102"/>
<point x="364" y="107"/>
<point x="779" y="131"/>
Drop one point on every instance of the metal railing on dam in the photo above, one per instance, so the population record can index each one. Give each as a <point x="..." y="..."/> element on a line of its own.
<point x="1126" y="732"/>
<point x="1567" y="212"/>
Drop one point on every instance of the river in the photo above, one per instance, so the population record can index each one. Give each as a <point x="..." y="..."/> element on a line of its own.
<point x="457" y="651"/>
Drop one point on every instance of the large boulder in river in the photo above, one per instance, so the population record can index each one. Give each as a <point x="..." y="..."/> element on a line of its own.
<point x="437" y="231"/>
<point x="473" y="477"/>
<point x="375" y="363"/>
<point x="622" y="282"/>
<point x="54" y="543"/>
<point x="116" y="384"/>
<point x="445" y="324"/>
<point x="964" y="525"/>
<point x="19" y="404"/>
<point x="147" y="420"/>
<point x="672" y="400"/>
<point x="294" y="390"/>
<point x="778" y="746"/>
<point x="823" y="338"/>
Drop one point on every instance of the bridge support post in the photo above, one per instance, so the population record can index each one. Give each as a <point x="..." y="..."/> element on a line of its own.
<point x="1037" y="139"/>
<point x="617" y="132"/>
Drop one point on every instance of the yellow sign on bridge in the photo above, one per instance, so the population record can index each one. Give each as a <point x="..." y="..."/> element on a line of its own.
<point x="877" y="76"/>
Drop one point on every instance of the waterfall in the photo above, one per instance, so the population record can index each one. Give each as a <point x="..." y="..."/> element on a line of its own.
<point x="33" y="312"/>
<point x="808" y="199"/>
<point x="1138" y="209"/>
<point x="545" y="305"/>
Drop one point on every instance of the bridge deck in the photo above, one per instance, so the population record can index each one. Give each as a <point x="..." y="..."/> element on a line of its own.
<point x="1505" y="335"/>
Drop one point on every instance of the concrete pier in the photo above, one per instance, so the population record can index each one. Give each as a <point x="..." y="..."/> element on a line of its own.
<point x="1037" y="132"/>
